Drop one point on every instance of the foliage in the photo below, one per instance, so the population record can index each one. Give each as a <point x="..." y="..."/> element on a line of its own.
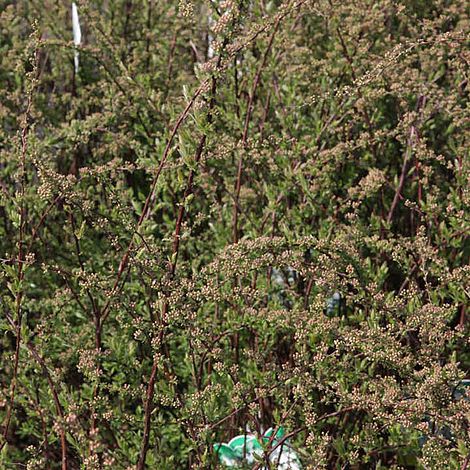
<point x="177" y="211"/>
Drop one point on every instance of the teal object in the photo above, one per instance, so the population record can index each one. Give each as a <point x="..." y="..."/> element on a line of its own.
<point x="227" y="455"/>
<point x="245" y="449"/>
<point x="280" y="433"/>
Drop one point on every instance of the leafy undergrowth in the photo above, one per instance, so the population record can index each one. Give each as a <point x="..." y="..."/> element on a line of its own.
<point x="223" y="217"/>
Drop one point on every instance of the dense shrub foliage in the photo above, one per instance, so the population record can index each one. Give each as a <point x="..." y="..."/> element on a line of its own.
<point x="234" y="215"/>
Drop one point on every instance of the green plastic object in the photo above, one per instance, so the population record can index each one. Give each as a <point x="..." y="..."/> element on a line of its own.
<point x="227" y="455"/>
<point x="245" y="449"/>
<point x="280" y="433"/>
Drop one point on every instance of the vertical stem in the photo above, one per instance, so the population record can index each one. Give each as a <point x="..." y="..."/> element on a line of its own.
<point x="413" y="136"/>
<point x="97" y="325"/>
<point x="147" y="41"/>
<point x="21" y="254"/>
<point x="148" y="407"/>
<point x="249" y="110"/>
<point x="58" y="406"/>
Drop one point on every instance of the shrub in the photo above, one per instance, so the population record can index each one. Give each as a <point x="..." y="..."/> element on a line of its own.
<point x="227" y="215"/>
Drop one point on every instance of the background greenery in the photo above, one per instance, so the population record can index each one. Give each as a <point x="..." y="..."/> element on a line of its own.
<point x="175" y="215"/>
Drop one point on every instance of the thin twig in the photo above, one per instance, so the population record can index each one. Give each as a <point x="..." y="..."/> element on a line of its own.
<point x="21" y="252"/>
<point x="246" y="127"/>
<point x="411" y="140"/>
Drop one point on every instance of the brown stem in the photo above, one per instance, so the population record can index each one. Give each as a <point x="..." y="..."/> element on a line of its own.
<point x="21" y="255"/>
<point x="42" y="220"/>
<point x="181" y="211"/>
<point x="463" y="315"/>
<point x="238" y="410"/>
<point x="466" y="463"/>
<point x="359" y="92"/>
<point x="52" y="387"/>
<point x="296" y="431"/>
<point x="148" y="407"/>
<point x="413" y="136"/>
<point x="97" y="325"/>
<point x="150" y="4"/>
<point x="401" y="182"/>
<point x="148" y="203"/>
<point x="55" y="396"/>
<point x="170" y="60"/>
<point x="147" y="416"/>
<point x="249" y="110"/>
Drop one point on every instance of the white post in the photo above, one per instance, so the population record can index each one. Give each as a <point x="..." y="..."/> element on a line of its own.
<point x="77" y="33"/>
